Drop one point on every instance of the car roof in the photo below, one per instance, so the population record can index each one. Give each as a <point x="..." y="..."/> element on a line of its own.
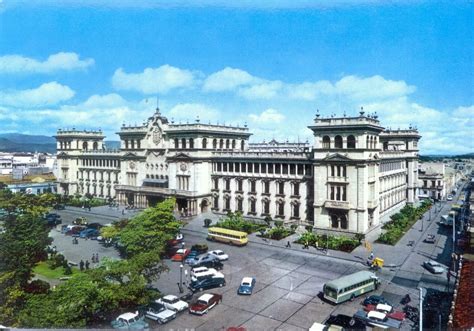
<point x="247" y="279"/>
<point x="376" y="314"/>
<point x="128" y="316"/>
<point x="206" y="297"/>
<point x="198" y="269"/>
<point x="382" y="306"/>
<point x="181" y="250"/>
<point x="434" y="263"/>
<point x="170" y="297"/>
<point x="217" y="251"/>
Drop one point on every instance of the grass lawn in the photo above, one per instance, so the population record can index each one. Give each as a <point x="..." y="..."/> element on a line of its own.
<point x="43" y="269"/>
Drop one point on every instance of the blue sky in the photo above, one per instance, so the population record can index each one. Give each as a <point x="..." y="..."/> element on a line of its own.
<point x="89" y="64"/>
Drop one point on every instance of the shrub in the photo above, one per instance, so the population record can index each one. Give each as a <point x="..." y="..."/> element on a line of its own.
<point x="293" y="227"/>
<point x="37" y="286"/>
<point x="268" y="220"/>
<point x="236" y="222"/>
<point x="309" y="228"/>
<point x="279" y="224"/>
<point x="341" y="243"/>
<point x="207" y="222"/>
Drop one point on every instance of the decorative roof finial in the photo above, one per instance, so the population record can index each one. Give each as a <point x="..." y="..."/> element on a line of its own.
<point x="361" y="111"/>
<point x="375" y="115"/>
<point x="197" y="119"/>
<point x="157" y="106"/>
<point x="317" y="113"/>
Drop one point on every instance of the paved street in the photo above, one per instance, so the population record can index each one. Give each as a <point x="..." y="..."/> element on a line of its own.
<point x="288" y="280"/>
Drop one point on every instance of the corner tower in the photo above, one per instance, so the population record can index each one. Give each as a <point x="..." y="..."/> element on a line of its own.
<point x="346" y="161"/>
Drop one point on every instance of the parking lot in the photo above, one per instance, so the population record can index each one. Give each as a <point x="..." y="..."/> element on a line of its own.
<point x="289" y="281"/>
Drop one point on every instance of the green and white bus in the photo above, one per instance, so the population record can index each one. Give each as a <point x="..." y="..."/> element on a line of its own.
<point x="350" y="286"/>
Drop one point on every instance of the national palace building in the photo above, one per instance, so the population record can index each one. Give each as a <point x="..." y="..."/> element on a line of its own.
<point x="353" y="173"/>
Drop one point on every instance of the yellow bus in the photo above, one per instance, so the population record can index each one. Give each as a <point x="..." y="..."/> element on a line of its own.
<point x="227" y="236"/>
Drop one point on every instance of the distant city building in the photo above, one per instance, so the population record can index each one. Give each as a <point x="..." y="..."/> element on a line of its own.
<point x="431" y="176"/>
<point x="28" y="163"/>
<point x="354" y="172"/>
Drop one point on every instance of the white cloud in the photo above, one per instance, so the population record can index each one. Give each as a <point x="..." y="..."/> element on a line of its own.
<point x="57" y="62"/>
<point x="268" y="90"/>
<point x="375" y="87"/>
<point x="154" y="80"/>
<point x="45" y="95"/>
<point x="269" y="115"/>
<point x="228" y="79"/>
<point x="308" y="90"/>
<point x="189" y="111"/>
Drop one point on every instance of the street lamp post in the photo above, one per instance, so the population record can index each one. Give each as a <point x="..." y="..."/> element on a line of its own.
<point x="181" y="278"/>
<point x="421" y="309"/>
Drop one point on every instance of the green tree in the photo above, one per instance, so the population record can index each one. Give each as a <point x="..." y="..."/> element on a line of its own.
<point x="150" y="230"/>
<point x="22" y="245"/>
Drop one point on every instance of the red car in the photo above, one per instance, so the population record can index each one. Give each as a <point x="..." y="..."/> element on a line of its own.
<point x="180" y="255"/>
<point x="387" y="309"/>
<point x="205" y="303"/>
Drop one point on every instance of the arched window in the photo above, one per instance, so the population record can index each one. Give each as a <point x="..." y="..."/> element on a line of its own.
<point x="338" y="142"/>
<point x="242" y="145"/>
<point x="371" y="144"/>
<point x="351" y="142"/>
<point x="233" y="144"/>
<point x="183" y="143"/>
<point x="84" y="145"/>
<point x="227" y="144"/>
<point x="221" y="144"/>
<point x="367" y="143"/>
<point x="95" y="146"/>
<point x="214" y="143"/>
<point x="191" y="143"/>
<point x="375" y="142"/>
<point x="176" y="143"/>
<point x="204" y="143"/>
<point x="326" y="142"/>
<point x="385" y="146"/>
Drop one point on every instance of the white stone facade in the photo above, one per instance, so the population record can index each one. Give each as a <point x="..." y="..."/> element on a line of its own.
<point x="355" y="172"/>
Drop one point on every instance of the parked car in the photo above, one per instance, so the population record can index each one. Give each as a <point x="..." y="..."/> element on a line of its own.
<point x="89" y="233"/>
<point x="247" y="285"/>
<point x="173" y="303"/>
<point x="200" y="248"/>
<point x="80" y="221"/>
<point x="344" y="322"/>
<point x="96" y="226"/>
<point x="180" y="255"/>
<point x="374" y="300"/>
<point x="206" y="283"/>
<point x="130" y="321"/>
<point x="74" y="230"/>
<point x="375" y="319"/>
<point x="200" y="259"/>
<point x="59" y="206"/>
<point x="430" y="239"/>
<point x="158" y="312"/>
<point x="177" y="240"/>
<point x="204" y="303"/>
<point x="219" y="254"/>
<point x="433" y="267"/>
<point x="387" y="309"/>
<point x="215" y="264"/>
<point x="449" y="198"/>
<point x="203" y="272"/>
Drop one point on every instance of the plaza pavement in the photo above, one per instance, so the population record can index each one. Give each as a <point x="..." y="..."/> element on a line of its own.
<point x="289" y="280"/>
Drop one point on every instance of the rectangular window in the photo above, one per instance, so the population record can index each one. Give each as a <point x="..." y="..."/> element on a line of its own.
<point x="344" y="171"/>
<point x="249" y="168"/>
<point x="292" y="169"/>
<point x="263" y="167"/>
<point x="270" y="168"/>
<point x="231" y="167"/>
<point x="256" y="168"/>
<point x="300" y="169"/>
<point x="285" y="169"/>
<point x="216" y="183"/>
<point x="225" y="167"/>
<point x="338" y="193"/>
<point x="239" y="205"/>
<point x="252" y="206"/>
<point x="278" y="169"/>
<point x="344" y="196"/>
<point x="252" y="186"/>
<point x="281" y="188"/>
<point x="227" y="184"/>
<point x="332" y="193"/>
<point x="266" y="187"/>
<point x="338" y="171"/>
<point x="243" y="167"/>
<point x="216" y="202"/>
<point x="296" y="189"/>
<point x="237" y="167"/>
<point x="239" y="185"/>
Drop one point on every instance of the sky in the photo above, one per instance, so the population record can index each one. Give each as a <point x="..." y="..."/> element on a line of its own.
<point x="268" y="64"/>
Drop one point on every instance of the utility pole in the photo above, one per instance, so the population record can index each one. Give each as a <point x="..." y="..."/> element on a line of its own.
<point x="454" y="231"/>
<point x="421" y="310"/>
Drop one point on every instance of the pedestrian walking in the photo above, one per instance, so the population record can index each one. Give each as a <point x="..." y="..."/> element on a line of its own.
<point x="123" y="211"/>
<point x="96" y="257"/>
<point x="87" y="264"/>
<point x="93" y="258"/>
<point x="371" y="255"/>
<point x="288" y="244"/>
<point x="81" y="265"/>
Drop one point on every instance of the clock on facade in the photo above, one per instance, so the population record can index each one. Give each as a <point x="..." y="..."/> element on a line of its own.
<point x="132" y="165"/>
<point x="156" y="136"/>
<point x="183" y="167"/>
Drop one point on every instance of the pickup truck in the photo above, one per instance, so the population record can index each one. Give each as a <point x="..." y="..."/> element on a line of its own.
<point x="375" y="319"/>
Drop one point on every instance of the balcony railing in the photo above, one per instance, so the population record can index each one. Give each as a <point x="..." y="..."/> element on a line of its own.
<point x="337" y="204"/>
<point x="340" y="179"/>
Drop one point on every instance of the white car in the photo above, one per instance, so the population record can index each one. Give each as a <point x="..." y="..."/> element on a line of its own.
<point x="434" y="267"/>
<point x="449" y="198"/>
<point x="219" y="254"/>
<point x="202" y="272"/>
<point x="173" y="303"/>
<point x="158" y="312"/>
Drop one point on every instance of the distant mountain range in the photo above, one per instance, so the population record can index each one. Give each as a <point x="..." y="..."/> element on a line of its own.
<point x="18" y="142"/>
